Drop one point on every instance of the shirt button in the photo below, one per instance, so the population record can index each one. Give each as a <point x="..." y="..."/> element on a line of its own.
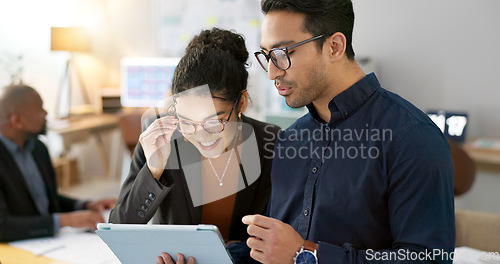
<point x="306" y="212"/>
<point x="140" y="214"/>
<point x="147" y="202"/>
<point x="327" y="129"/>
<point x="152" y="196"/>
<point x="314" y="170"/>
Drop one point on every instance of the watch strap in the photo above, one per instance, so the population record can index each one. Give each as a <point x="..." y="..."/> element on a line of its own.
<point x="309" y="245"/>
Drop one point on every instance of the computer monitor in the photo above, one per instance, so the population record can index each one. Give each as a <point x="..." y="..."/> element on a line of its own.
<point x="452" y="124"/>
<point x="146" y="81"/>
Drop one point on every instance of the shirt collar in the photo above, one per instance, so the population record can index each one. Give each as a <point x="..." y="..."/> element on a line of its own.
<point x="350" y="100"/>
<point x="12" y="147"/>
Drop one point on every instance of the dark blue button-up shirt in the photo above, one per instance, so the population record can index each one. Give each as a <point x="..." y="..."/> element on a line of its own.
<point x="374" y="183"/>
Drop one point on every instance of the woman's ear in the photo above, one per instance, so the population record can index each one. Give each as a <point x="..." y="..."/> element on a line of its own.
<point x="242" y="106"/>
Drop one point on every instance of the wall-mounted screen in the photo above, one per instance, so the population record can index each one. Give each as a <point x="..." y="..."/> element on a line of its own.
<point x="146" y="81"/>
<point x="452" y="125"/>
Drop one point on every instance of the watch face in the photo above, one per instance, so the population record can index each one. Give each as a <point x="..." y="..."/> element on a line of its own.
<point x="306" y="257"/>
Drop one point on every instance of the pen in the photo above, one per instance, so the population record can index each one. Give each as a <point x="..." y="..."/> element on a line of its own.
<point x="49" y="250"/>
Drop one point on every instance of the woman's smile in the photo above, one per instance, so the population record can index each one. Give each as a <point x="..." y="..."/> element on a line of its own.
<point x="209" y="145"/>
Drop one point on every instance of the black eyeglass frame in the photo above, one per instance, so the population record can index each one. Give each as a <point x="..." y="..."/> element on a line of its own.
<point x="285" y="49"/>
<point x="195" y="124"/>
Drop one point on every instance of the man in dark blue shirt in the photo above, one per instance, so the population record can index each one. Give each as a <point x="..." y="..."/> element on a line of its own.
<point x="365" y="176"/>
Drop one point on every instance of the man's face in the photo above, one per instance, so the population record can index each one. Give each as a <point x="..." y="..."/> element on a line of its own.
<point x="305" y="81"/>
<point x="32" y="115"/>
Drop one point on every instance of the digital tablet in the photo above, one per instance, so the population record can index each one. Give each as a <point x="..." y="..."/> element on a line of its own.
<point x="139" y="243"/>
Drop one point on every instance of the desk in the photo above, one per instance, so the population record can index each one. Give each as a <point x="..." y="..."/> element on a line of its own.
<point x="483" y="155"/>
<point x="69" y="246"/>
<point x="13" y="255"/>
<point x="485" y="152"/>
<point x="81" y="129"/>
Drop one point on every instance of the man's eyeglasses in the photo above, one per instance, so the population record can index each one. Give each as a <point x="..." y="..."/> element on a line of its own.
<point x="212" y="126"/>
<point x="279" y="56"/>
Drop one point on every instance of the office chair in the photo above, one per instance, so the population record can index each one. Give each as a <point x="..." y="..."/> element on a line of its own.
<point x="465" y="169"/>
<point x="130" y="126"/>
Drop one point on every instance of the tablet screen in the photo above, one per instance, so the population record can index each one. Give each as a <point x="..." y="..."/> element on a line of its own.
<point x="139" y="244"/>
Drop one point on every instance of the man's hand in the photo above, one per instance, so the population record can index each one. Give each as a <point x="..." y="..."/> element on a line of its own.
<point x="85" y="219"/>
<point x="166" y="259"/>
<point x="272" y="241"/>
<point x="101" y="205"/>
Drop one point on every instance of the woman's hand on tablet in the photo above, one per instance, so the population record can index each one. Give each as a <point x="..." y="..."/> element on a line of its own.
<point x="166" y="259"/>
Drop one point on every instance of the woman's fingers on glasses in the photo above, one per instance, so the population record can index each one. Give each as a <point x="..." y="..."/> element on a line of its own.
<point x="159" y="123"/>
<point x="152" y="136"/>
<point x="164" y="122"/>
<point x="168" y="119"/>
<point x="157" y="128"/>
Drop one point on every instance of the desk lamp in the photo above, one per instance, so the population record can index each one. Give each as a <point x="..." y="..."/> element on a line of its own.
<point x="70" y="39"/>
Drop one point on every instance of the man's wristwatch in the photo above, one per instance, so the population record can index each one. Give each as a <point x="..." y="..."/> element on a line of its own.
<point x="306" y="254"/>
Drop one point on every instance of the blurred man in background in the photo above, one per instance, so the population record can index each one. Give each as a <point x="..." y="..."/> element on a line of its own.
<point x="30" y="205"/>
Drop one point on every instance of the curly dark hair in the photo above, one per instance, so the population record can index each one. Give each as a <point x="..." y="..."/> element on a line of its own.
<point x="215" y="57"/>
<point x="322" y="17"/>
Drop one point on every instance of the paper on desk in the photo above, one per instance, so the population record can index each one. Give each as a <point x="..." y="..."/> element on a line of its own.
<point x="58" y="123"/>
<point x="105" y="215"/>
<point x="487" y="143"/>
<point x="85" y="248"/>
<point x="72" y="246"/>
<point x="39" y="246"/>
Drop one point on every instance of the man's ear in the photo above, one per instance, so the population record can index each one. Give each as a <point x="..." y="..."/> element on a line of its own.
<point x="243" y="102"/>
<point x="336" y="45"/>
<point x="15" y="121"/>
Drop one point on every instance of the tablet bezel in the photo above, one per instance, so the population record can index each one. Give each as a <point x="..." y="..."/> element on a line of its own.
<point x="139" y="243"/>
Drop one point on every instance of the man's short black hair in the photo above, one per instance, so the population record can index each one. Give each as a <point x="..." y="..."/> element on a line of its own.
<point x="321" y="17"/>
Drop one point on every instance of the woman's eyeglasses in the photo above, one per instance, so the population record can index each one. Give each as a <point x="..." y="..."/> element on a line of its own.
<point x="212" y="126"/>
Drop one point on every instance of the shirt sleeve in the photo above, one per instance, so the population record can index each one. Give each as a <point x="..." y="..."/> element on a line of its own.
<point x="240" y="253"/>
<point x="420" y="203"/>
<point x="141" y="194"/>
<point x="57" y="223"/>
<point x="15" y="227"/>
<point x="81" y="205"/>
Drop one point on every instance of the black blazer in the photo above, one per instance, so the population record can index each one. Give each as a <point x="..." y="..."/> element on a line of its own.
<point x="170" y="202"/>
<point x="19" y="216"/>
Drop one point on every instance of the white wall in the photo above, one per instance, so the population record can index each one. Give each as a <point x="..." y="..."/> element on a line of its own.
<point x="117" y="28"/>
<point x="437" y="54"/>
<point x="25" y="30"/>
<point x="483" y="196"/>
